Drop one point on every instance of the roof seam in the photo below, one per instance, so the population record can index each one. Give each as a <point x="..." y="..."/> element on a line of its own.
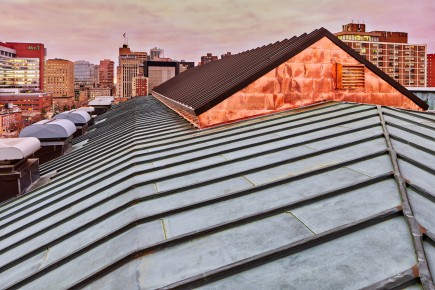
<point x="301" y="244"/>
<point x="237" y="194"/>
<point x="284" y="251"/>
<point x="284" y="161"/>
<point x="416" y="235"/>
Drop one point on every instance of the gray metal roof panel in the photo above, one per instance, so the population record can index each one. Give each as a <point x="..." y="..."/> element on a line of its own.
<point x="279" y="195"/>
<point x="351" y="264"/>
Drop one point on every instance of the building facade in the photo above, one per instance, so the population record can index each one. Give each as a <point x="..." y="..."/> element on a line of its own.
<point x="130" y="66"/>
<point x="140" y="86"/>
<point x="159" y="72"/>
<point x="22" y="66"/>
<point x="208" y="58"/>
<point x="156" y="53"/>
<point x="106" y="73"/>
<point x="11" y="122"/>
<point x="98" y="92"/>
<point x="390" y="51"/>
<point x="431" y="70"/>
<point x="84" y="74"/>
<point x="59" y="77"/>
<point x="226" y="54"/>
<point x="29" y="103"/>
<point x="96" y="75"/>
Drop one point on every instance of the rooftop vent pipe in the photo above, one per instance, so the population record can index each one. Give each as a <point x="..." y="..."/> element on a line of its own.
<point x="55" y="137"/>
<point x="80" y="119"/>
<point x="17" y="170"/>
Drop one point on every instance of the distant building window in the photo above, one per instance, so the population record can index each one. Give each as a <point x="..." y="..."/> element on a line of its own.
<point x="350" y="76"/>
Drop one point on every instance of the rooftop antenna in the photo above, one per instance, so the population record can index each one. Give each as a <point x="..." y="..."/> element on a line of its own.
<point x="125" y="41"/>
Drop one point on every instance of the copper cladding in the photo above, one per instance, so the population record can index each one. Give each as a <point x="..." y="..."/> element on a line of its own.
<point x="307" y="78"/>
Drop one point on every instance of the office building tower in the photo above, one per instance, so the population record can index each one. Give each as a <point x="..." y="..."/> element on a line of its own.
<point x="431" y="70"/>
<point x="22" y="66"/>
<point x="59" y="77"/>
<point x="156" y="53"/>
<point x="390" y="51"/>
<point x="96" y="75"/>
<point x="140" y="86"/>
<point x="159" y="72"/>
<point x="84" y="74"/>
<point x="130" y="66"/>
<point x="106" y="73"/>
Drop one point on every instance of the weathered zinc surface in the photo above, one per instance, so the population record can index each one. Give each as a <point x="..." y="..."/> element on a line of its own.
<point x="332" y="196"/>
<point x="287" y="74"/>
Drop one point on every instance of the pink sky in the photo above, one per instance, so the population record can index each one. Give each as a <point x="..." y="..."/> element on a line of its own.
<point x="186" y="29"/>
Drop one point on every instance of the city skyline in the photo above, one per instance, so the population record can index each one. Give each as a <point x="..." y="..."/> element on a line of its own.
<point x="93" y="30"/>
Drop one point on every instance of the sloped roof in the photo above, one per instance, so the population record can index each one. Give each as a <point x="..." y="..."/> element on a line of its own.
<point x="203" y="87"/>
<point x="307" y="198"/>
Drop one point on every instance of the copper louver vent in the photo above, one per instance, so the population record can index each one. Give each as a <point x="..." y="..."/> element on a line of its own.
<point x="350" y="76"/>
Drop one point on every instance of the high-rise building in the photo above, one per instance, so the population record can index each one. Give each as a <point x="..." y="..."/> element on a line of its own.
<point x="106" y="73"/>
<point x="96" y="75"/>
<point x="431" y="70"/>
<point x="130" y="66"/>
<point x="59" y="77"/>
<point x="159" y="72"/>
<point x="390" y="51"/>
<point x="84" y="74"/>
<point x="156" y="53"/>
<point x="140" y="86"/>
<point x="208" y="58"/>
<point x="22" y="66"/>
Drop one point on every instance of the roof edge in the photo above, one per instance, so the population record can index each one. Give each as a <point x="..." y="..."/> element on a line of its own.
<point x="313" y="37"/>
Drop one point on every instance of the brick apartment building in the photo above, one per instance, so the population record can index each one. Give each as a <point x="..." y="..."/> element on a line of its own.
<point x="390" y="51"/>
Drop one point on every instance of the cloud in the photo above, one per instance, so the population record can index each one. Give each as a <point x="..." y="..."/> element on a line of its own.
<point x="186" y="29"/>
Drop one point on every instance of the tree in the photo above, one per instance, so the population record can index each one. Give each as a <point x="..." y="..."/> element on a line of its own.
<point x="43" y="113"/>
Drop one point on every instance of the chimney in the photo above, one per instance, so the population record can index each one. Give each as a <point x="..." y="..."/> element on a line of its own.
<point x="17" y="170"/>
<point x="90" y="111"/>
<point x="101" y="104"/>
<point x="79" y="118"/>
<point x="55" y="137"/>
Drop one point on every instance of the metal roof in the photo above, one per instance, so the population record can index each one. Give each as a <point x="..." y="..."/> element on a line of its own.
<point x="203" y="87"/>
<point x="331" y="196"/>
<point x="17" y="148"/>
<point x="78" y="117"/>
<point x="50" y="129"/>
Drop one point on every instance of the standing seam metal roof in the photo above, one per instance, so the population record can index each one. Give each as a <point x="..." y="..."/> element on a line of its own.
<point x="324" y="192"/>
<point x="203" y="87"/>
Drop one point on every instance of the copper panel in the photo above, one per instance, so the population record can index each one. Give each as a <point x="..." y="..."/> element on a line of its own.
<point x="307" y="78"/>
